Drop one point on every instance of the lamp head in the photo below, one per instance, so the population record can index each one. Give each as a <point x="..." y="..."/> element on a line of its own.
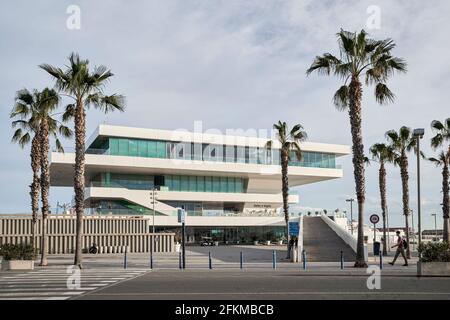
<point x="419" y="132"/>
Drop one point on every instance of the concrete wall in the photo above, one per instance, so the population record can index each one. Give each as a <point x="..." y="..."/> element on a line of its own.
<point x="344" y="235"/>
<point x="112" y="233"/>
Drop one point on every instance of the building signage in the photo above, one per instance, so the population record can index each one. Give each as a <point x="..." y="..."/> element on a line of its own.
<point x="181" y="216"/>
<point x="293" y="229"/>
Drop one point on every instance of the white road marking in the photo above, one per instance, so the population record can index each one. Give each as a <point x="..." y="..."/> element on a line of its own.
<point x="51" y="284"/>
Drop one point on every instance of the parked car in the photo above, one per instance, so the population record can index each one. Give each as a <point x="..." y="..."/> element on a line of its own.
<point x="206" y="241"/>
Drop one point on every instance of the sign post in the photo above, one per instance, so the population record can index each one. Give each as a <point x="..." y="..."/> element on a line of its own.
<point x="375" y="219"/>
<point x="182" y="219"/>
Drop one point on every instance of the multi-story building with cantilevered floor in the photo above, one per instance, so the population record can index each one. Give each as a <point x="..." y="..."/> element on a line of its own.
<point x="230" y="186"/>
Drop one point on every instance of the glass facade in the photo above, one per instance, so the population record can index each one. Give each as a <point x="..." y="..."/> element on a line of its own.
<point x="206" y="152"/>
<point x="170" y="182"/>
<point x="230" y="235"/>
<point x="117" y="207"/>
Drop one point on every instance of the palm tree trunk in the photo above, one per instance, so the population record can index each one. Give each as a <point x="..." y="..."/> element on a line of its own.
<point x="355" y="93"/>
<point x="382" y="185"/>
<point x="80" y="133"/>
<point x="405" y="191"/>
<point x="445" y="202"/>
<point x="34" y="187"/>
<point x="285" y="192"/>
<point x="45" y="187"/>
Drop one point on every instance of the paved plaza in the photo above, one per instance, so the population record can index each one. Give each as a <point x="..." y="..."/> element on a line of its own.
<point x="104" y="277"/>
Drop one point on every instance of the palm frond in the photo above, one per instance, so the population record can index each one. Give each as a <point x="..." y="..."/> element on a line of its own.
<point x="383" y="94"/>
<point x="341" y="98"/>
<point x="324" y="64"/>
<point x="69" y="113"/>
<point x="59" y="146"/>
<point x="106" y="103"/>
<point x="297" y="150"/>
<point x="65" y="132"/>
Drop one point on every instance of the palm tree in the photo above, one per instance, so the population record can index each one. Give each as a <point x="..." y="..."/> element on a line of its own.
<point x="443" y="160"/>
<point x="359" y="56"/>
<point x="39" y="107"/>
<point x="401" y="143"/>
<point x="382" y="154"/>
<point x="85" y="87"/>
<point x="442" y="136"/>
<point x="289" y="142"/>
<point x="25" y="105"/>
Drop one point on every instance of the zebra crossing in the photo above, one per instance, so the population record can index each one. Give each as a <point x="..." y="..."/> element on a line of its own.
<point x="60" y="283"/>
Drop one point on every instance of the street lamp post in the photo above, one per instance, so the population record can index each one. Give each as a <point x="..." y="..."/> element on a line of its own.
<point x="153" y="195"/>
<point x="418" y="134"/>
<point x="351" y="213"/>
<point x="435" y="227"/>
<point x="411" y="212"/>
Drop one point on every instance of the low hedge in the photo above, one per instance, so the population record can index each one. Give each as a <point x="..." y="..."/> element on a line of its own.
<point x="434" y="252"/>
<point x="17" y="252"/>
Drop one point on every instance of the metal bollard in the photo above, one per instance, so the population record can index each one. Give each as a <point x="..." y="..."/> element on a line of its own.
<point x="209" y="259"/>
<point x="241" y="260"/>
<point x="381" y="260"/>
<point x="342" y="260"/>
<point x="125" y="262"/>
<point x="304" y="259"/>
<point x="274" y="259"/>
<point x="179" y="261"/>
<point x="151" y="261"/>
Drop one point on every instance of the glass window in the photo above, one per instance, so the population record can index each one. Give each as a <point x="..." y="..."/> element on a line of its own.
<point x="239" y="185"/>
<point x="208" y="184"/>
<point x="142" y="148"/>
<point x="192" y="183"/>
<point x="152" y="149"/>
<point x="133" y="148"/>
<point x="168" y="182"/>
<point x="201" y="184"/>
<point x="306" y="159"/>
<point x="216" y="184"/>
<point x="276" y="156"/>
<point x="180" y="150"/>
<point x="231" y="185"/>
<point x="113" y="146"/>
<point x="240" y="154"/>
<point x="262" y="155"/>
<point x="184" y="184"/>
<point x="176" y="183"/>
<point x="123" y="147"/>
<point x="198" y="151"/>
<point x="230" y="154"/>
<point x="160" y="149"/>
<point x="223" y="184"/>
<point x="253" y="155"/>
<point x="188" y="150"/>
<point x="332" y="162"/>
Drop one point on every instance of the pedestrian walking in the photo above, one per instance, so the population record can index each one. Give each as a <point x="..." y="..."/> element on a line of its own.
<point x="401" y="246"/>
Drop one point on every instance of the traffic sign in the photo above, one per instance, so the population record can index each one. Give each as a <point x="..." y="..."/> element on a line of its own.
<point x="374" y="218"/>
<point x="293" y="229"/>
<point x="181" y="215"/>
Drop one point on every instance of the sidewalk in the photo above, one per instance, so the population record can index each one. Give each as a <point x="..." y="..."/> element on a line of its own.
<point x="199" y="262"/>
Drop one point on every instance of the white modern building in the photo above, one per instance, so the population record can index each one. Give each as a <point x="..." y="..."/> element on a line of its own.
<point x="229" y="185"/>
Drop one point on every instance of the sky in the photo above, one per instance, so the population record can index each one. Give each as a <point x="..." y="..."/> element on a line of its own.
<point x="234" y="64"/>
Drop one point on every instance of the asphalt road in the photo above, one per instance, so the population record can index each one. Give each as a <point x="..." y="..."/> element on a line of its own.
<point x="269" y="285"/>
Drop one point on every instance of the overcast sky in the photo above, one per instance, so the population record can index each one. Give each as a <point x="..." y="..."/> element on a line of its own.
<point x="233" y="64"/>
